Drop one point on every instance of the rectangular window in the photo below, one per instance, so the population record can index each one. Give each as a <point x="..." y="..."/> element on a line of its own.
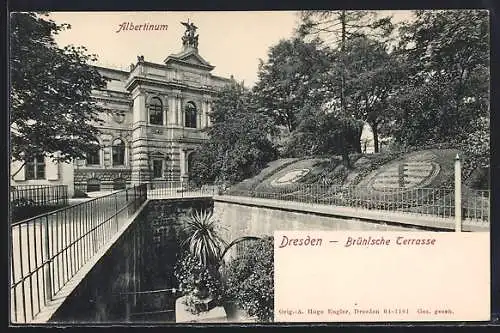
<point x="35" y="168"/>
<point x="157" y="168"/>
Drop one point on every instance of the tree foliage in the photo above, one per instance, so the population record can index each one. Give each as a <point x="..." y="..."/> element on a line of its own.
<point x="291" y="79"/>
<point x="250" y="279"/>
<point x="52" y="112"/>
<point x="295" y="88"/>
<point x="373" y="76"/>
<point x="339" y="28"/>
<point x="239" y="143"/>
<point x="447" y="91"/>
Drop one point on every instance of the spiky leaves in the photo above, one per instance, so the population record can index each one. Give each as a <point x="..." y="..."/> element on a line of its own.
<point x="204" y="241"/>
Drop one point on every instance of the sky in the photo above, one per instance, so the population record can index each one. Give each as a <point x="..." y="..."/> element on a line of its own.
<point x="233" y="42"/>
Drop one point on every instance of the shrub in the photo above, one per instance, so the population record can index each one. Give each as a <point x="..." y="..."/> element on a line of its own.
<point x="197" y="281"/>
<point x="23" y="203"/>
<point x="250" y="280"/>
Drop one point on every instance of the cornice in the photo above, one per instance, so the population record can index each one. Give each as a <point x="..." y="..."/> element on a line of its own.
<point x="137" y="80"/>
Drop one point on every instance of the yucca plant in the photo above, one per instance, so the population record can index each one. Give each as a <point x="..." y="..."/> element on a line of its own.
<point x="199" y="268"/>
<point x="204" y="241"/>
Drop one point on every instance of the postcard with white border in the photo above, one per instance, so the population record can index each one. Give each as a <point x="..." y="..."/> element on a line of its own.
<point x="249" y="167"/>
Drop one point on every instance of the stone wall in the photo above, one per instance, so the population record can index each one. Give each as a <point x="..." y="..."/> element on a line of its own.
<point x="244" y="220"/>
<point x="143" y="259"/>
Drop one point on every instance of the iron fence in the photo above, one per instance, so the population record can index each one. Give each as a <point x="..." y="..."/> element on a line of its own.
<point x="438" y="202"/>
<point x="29" y="200"/>
<point x="420" y="201"/>
<point x="41" y="195"/>
<point x="49" y="249"/>
<point x="179" y="189"/>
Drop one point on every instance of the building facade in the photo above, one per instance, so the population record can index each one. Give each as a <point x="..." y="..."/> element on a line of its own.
<point x="154" y="118"/>
<point x="42" y="170"/>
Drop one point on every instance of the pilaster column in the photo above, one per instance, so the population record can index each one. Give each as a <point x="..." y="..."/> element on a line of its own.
<point x="139" y="105"/>
<point x="171" y="112"/>
<point x="165" y="111"/>
<point x="182" y="162"/>
<point x="138" y="152"/>
<point x="202" y="114"/>
<point x="209" y="110"/>
<point x="180" y="118"/>
<point x="206" y="102"/>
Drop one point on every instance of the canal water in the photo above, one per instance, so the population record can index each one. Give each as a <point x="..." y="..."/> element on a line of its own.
<point x="134" y="281"/>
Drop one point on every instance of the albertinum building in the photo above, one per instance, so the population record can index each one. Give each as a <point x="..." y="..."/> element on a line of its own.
<point x="153" y="116"/>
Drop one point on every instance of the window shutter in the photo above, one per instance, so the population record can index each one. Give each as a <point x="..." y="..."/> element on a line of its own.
<point x="51" y="169"/>
<point x="15" y="167"/>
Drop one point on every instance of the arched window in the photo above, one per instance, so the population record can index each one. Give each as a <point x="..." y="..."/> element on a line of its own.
<point x="155" y="111"/>
<point x="118" y="152"/>
<point x="190" y="115"/>
<point x="94" y="154"/>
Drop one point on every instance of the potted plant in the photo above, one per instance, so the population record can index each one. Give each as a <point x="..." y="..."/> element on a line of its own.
<point x="199" y="269"/>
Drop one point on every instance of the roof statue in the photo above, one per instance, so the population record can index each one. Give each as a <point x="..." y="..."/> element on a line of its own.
<point x="190" y="39"/>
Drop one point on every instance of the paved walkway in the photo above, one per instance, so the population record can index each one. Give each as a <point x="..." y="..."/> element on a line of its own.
<point x="69" y="238"/>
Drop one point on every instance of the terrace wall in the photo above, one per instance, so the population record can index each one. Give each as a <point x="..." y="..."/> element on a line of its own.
<point x="247" y="219"/>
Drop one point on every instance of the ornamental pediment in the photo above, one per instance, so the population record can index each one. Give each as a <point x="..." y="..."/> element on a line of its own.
<point x="196" y="60"/>
<point x="190" y="57"/>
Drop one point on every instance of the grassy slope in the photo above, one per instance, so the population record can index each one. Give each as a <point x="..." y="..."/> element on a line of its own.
<point x="331" y="172"/>
<point x="250" y="183"/>
<point x="328" y="175"/>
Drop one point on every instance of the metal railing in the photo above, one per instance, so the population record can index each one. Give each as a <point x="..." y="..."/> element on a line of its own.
<point x="30" y="200"/>
<point x="439" y="202"/>
<point x="169" y="189"/>
<point x="40" y="195"/>
<point x="49" y="249"/>
<point x="420" y="201"/>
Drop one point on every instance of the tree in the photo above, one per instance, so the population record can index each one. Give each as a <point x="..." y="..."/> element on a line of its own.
<point x="52" y="111"/>
<point x="446" y="54"/>
<point x="239" y="143"/>
<point x="293" y="89"/>
<point x="372" y="78"/>
<point x="286" y="81"/>
<point x="321" y="132"/>
<point x="339" y="27"/>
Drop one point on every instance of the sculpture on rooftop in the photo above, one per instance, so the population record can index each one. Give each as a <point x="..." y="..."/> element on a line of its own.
<point x="190" y="38"/>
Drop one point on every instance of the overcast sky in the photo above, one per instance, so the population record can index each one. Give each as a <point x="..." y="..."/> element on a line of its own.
<point x="231" y="41"/>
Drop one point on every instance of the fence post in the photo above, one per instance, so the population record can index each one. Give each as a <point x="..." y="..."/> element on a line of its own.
<point x="135" y="198"/>
<point x="458" y="195"/>
<point x="116" y="209"/>
<point x="48" y="268"/>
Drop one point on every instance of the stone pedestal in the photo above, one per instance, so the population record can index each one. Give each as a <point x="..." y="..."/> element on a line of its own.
<point x="183" y="315"/>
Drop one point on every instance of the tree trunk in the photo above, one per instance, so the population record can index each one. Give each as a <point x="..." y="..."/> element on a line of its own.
<point x="345" y="157"/>
<point x="343" y="142"/>
<point x="342" y="74"/>
<point x="20" y="168"/>
<point x="358" y="130"/>
<point x="375" y="138"/>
